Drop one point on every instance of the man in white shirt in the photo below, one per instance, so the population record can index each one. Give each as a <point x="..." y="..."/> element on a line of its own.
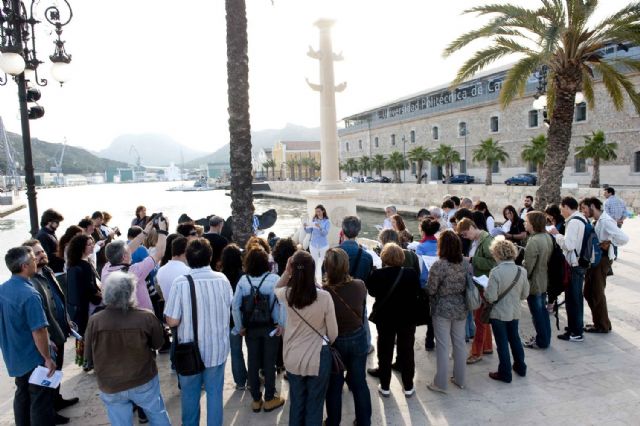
<point x="389" y="211"/>
<point x="174" y="268"/>
<point x="213" y="296"/>
<point x="528" y="206"/>
<point x="596" y="278"/>
<point x="571" y="244"/>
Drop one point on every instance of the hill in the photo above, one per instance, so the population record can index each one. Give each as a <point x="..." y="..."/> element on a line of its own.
<point x="76" y="160"/>
<point x="154" y="150"/>
<point x="262" y="139"/>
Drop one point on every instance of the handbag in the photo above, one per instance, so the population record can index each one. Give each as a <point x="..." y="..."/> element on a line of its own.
<point x="373" y="316"/>
<point x="487" y="307"/>
<point x="471" y="294"/>
<point x="187" y="359"/>
<point x="337" y="366"/>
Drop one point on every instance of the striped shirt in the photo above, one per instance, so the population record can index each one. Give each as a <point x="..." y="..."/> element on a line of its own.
<point x="213" y="294"/>
<point x="615" y="207"/>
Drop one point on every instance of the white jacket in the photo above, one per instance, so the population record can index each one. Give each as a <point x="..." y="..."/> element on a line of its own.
<point x="571" y="241"/>
<point x="607" y="230"/>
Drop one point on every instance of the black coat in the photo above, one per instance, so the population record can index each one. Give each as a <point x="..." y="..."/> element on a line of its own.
<point x="401" y="308"/>
<point x="49" y="243"/>
<point x="82" y="287"/>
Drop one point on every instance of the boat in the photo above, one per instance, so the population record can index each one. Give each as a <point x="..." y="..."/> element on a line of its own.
<point x="201" y="184"/>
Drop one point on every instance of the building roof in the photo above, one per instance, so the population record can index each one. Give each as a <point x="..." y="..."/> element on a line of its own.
<point x="301" y="145"/>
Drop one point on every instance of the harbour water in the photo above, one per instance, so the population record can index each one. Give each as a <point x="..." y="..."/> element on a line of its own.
<point x="121" y="200"/>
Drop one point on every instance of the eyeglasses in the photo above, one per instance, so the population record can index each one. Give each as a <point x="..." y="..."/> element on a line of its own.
<point x="193" y="233"/>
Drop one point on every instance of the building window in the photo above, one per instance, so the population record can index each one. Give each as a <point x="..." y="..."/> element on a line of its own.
<point x="462" y="129"/>
<point x="533" y="118"/>
<point x="393" y="140"/>
<point x="636" y="162"/>
<point x="496" y="167"/>
<point x="581" y="112"/>
<point x="434" y="133"/>
<point x="360" y="144"/>
<point x="493" y="124"/>
<point x="580" y="165"/>
<point x="375" y="142"/>
<point x="532" y="167"/>
<point x="347" y="146"/>
<point x="413" y="168"/>
<point x="413" y="136"/>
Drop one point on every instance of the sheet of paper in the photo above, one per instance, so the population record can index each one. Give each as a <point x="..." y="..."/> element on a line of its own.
<point x="39" y="377"/>
<point x="413" y="245"/>
<point x="482" y="280"/>
<point x="429" y="261"/>
<point x="549" y="228"/>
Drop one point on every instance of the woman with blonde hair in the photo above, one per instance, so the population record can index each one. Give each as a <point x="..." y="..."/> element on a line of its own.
<point x="508" y="285"/>
<point x="349" y="297"/>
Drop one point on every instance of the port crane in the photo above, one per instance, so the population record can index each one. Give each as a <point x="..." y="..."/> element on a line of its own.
<point x="11" y="167"/>
<point x="58" y="163"/>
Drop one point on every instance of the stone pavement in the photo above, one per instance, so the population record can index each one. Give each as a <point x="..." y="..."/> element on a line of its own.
<point x="593" y="382"/>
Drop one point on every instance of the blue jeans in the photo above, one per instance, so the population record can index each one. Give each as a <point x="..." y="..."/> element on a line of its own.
<point x="506" y="335"/>
<point x="119" y="405"/>
<point x="353" y="348"/>
<point x="470" y="327"/>
<point x="191" y="387"/>
<point x="574" y="302"/>
<point x="307" y="393"/>
<point x="540" y="316"/>
<point x="365" y="321"/>
<point x="238" y="367"/>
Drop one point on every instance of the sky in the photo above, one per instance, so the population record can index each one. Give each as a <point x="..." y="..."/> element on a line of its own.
<point x="158" y="66"/>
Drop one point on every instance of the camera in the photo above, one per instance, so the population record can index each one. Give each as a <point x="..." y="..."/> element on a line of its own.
<point x="156" y="218"/>
<point x="116" y="231"/>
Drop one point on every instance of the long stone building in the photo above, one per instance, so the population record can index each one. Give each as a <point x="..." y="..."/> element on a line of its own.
<point x="471" y="112"/>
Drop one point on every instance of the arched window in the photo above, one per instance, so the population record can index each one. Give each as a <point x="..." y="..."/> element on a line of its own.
<point x="434" y="133"/>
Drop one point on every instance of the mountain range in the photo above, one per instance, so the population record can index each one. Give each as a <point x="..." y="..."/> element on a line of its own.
<point x="152" y="150"/>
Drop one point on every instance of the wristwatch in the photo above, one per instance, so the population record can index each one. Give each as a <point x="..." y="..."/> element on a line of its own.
<point x="162" y="232"/>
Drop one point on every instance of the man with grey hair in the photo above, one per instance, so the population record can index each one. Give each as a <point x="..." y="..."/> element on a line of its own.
<point x="360" y="262"/>
<point x="121" y="341"/>
<point x="389" y="211"/>
<point x="466" y="203"/>
<point x="24" y="339"/>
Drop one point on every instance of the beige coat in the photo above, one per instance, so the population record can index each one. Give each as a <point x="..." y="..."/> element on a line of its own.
<point x="500" y="278"/>
<point x="536" y="259"/>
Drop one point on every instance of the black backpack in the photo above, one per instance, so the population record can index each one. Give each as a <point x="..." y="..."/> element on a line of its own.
<point x="256" y="311"/>
<point x="558" y="277"/>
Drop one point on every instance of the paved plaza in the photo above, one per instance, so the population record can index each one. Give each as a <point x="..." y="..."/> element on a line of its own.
<point x="594" y="382"/>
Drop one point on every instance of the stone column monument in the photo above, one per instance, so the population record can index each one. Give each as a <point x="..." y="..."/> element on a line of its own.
<point x="339" y="200"/>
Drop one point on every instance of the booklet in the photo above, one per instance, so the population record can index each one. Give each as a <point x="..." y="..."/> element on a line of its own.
<point x="482" y="280"/>
<point x="39" y="377"/>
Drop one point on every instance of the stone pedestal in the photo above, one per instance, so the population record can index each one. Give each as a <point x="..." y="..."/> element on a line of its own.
<point x="338" y="203"/>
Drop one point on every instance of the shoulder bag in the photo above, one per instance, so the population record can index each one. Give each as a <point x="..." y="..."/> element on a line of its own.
<point x="471" y="294"/>
<point x="345" y="303"/>
<point x="337" y="366"/>
<point x="373" y="316"/>
<point x="487" y="307"/>
<point x="187" y="357"/>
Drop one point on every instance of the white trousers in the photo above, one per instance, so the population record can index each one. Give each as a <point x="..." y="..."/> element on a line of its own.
<point x="318" y="257"/>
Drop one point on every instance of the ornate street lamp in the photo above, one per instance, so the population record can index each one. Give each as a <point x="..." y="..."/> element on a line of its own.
<point x="540" y="97"/>
<point x="18" y="58"/>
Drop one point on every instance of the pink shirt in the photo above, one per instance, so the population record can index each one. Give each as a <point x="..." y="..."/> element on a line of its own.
<point x="140" y="270"/>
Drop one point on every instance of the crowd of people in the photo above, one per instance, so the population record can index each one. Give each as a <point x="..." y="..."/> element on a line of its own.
<point x="301" y="313"/>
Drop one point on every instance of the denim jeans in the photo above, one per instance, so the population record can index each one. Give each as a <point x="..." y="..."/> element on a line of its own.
<point x="307" y="393"/>
<point x="470" y="326"/>
<point x="120" y="404"/>
<point x="506" y="335"/>
<point x="262" y="353"/>
<point x="238" y="367"/>
<point x="32" y="405"/>
<point x="367" y="328"/>
<point x="540" y="316"/>
<point x="191" y="388"/>
<point x="353" y="348"/>
<point x="574" y="302"/>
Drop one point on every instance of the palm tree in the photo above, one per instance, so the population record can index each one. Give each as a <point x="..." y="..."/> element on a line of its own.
<point x="597" y="148"/>
<point x="445" y="156"/>
<point x="351" y="165"/>
<point x="419" y="155"/>
<point x="364" y="164"/>
<point x="557" y="35"/>
<point x="377" y="162"/>
<point x="536" y="152"/>
<point x="299" y="163"/>
<point x="490" y="152"/>
<point x="291" y="165"/>
<point x="305" y="164"/>
<point x="313" y="167"/>
<point x="270" y="164"/>
<point x="395" y="163"/>
<point x="239" y="124"/>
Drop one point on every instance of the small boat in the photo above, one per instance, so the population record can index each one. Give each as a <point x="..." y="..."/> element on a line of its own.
<point x="199" y="185"/>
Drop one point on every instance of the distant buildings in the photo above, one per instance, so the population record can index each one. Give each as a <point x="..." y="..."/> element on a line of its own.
<point x="289" y="155"/>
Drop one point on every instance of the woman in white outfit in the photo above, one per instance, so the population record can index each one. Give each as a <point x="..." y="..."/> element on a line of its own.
<point x="318" y="227"/>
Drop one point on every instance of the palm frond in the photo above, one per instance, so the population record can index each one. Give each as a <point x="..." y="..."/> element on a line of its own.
<point x="614" y="81"/>
<point x="480" y="60"/>
<point x="587" y="86"/>
<point x="517" y="77"/>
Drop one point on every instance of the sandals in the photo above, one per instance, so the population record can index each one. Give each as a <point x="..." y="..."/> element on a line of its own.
<point x="453" y="380"/>
<point x="472" y="359"/>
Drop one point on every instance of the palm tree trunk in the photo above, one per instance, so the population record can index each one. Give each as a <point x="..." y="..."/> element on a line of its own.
<point x="595" y="179"/>
<point x="239" y="123"/>
<point x="559" y="137"/>
<point x="419" y="181"/>
<point x="488" y="180"/>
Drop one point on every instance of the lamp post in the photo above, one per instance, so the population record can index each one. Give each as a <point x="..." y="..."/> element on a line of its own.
<point x="465" y="148"/>
<point x="540" y="97"/>
<point x="19" y="59"/>
<point x="404" y="168"/>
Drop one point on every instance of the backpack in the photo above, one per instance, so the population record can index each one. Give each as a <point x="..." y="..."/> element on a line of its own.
<point x="590" y="252"/>
<point x="558" y="277"/>
<point x="255" y="308"/>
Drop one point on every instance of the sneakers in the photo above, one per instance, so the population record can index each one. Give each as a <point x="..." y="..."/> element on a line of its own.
<point x="256" y="406"/>
<point x="384" y="392"/>
<point x="569" y="337"/>
<point x="273" y="403"/>
<point x="409" y="393"/>
<point x="241" y="387"/>
<point x="532" y="344"/>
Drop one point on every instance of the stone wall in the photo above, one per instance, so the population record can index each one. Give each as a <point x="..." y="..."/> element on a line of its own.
<point x="424" y="195"/>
